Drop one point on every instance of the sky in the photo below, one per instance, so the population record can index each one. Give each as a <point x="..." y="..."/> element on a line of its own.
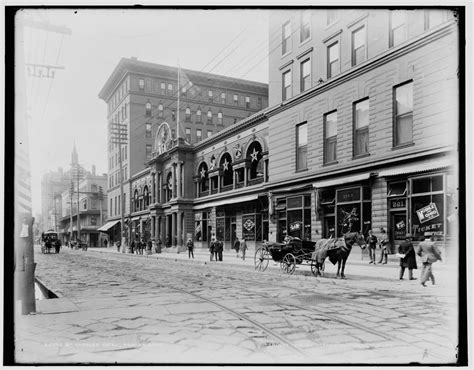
<point x="66" y="110"/>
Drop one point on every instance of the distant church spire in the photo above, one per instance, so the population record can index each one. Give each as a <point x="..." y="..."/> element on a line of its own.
<point x="75" y="159"/>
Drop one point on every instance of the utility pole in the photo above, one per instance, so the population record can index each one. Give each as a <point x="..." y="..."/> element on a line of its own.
<point x="71" y="192"/>
<point x="78" y="174"/>
<point x="118" y="132"/>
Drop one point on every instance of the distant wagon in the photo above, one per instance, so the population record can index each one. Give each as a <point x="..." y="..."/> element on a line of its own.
<point x="50" y="240"/>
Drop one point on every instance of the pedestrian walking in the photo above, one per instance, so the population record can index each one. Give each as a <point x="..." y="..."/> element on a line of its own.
<point x="105" y="243"/>
<point x="243" y="248"/>
<point x="383" y="242"/>
<point x="168" y="241"/>
<point x="132" y="247"/>
<point x="407" y="258"/>
<point x="212" y="247"/>
<point x="237" y="247"/>
<point x="429" y="254"/>
<point x="149" y="246"/>
<point x="219" y="250"/>
<point x="190" y="246"/>
<point x="142" y="246"/>
<point x="118" y="246"/>
<point x="371" y="244"/>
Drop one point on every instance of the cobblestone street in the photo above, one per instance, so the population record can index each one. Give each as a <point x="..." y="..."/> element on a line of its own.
<point x="120" y="308"/>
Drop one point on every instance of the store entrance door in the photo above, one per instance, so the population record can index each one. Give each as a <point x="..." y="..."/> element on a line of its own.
<point x="398" y="226"/>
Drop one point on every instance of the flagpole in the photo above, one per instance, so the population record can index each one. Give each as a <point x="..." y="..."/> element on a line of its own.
<point x="177" y="109"/>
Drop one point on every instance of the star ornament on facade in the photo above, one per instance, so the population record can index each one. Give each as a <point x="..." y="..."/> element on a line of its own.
<point x="225" y="165"/>
<point x="254" y="155"/>
<point x="203" y="173"/>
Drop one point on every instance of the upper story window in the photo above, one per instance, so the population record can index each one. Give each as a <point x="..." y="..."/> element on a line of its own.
<point x="359" y="50"/>
<point x="188" y="114"/>
<point x="148" y="85"/>
<point x="301" y="146"/>
<point x="398" y="29"/>
<point x="198" y="135"/>
<point x="210" y="95"/>
<point x="333" y="59"/>
<point x="209" y="116"/>
<point x="148" y="151"/>
<point x="330" y="137"/>
<point x="148" y="130"/>
<point x="160" y="110"/>
<point x="259" y="103"/>
<point x="223" y="98"/>
<point x="403" y="120"/>
<point x="188" y="134"/>
<point x="141" y="84"/>
<point x="148" y="109"/>
<point x="305" y="77"/>
<point x="198" y="115"/>
<point x="286" y="38"/>
<point x="170" y="89"/>
<point x="286" y="82"/>
<point x="433" y="18"/>
<point x="305" y="28"/>
<point x="361" y="127"/>
<point x="219" y="118"/>
<point x="332" y="16"/>
<point x="236" y="99"/>
<point x="209" y="133"/>
<point x="173" y="115"/>
<point x="247" y="101"/>
<point x="163" y="88"/>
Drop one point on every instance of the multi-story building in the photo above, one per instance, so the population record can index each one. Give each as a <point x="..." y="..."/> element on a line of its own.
<point x="52" y="185"/>
<point x="363" y="119"/>
<point x="144" y="97"/>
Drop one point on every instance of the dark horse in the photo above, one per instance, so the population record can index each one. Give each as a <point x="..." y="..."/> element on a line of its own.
<point x="338" y="251"/>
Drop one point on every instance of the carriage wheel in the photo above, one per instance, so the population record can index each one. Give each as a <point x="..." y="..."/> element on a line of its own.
<point x="261" y="259"/>
<point x="288" y="264"/>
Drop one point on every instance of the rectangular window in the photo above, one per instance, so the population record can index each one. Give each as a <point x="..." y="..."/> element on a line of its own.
<point x="333" y="59"/>
<point x="397" y="27"/>
<point x="209" y="133"/>
<point x="247" y="101"/>
<point x="110" y="209"/>
<point x="361" y="127"/>
<point x="188" y="134"/>
<point x="305" y="29"/>
<point x="170" y="89"/>
<point x="286" y="38"/>
<point x="223" y="98"/>
<point x="332" y="16"/>
<point x="141" y="84"/>
<point x="305" y="77"/>
<point x="163" y="88"/>
<point x="330" y="137"/>
<point x="301" y="146"/>
<point x="210" y="95"/>
<point x="236" y="99"/>
<point x="403" y="122"/>
<point x="198" y="135"/>
<point x="148" y="151"/>
<point x="148" y="130"/>
<point x="358" y="46"/>
<point x="286" y="93"/>
<point x="259" y="103"/>
<point x="119" y="205"/>
<point x="434" y="18"/>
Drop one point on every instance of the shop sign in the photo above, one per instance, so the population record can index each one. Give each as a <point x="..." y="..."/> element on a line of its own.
<point x="431" y="228"/>
<point x="348" y="195"/>
<point x="295" y="226"/>
<point x="400" y="225"/>
<point x="248" y="224"/>
<point x="398" y="203"/>
<point x="427" y="213"/>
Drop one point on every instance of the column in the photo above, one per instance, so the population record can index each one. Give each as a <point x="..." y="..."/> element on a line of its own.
<point x="152" y="231"/>
<point x="179" y="229"/>
<point x="265" y="169"/>
<point x="173" y="229"/>
<point x="245" y="175"/>
<point x="166" y="231"/>
<point x="160" y="187"/>
<point x="173" y="179"/>
<point x="178" y="182"/>
<point x="234" y="177"/>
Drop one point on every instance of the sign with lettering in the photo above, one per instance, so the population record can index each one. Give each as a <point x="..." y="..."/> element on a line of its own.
<point x="400" y="225"/>
<point x="398" y="203"/>
<point x="294" y="226"/>
<point x="248" y="227"/>
<point x="427" y="213"/>
<point x="348" y="195"/>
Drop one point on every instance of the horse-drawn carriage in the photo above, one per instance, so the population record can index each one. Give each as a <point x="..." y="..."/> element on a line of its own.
<point x="289" y="254"/>
<point x="50" y="240"/>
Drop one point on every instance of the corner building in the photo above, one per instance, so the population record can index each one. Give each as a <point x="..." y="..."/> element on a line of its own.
<point x="363" y="118"/>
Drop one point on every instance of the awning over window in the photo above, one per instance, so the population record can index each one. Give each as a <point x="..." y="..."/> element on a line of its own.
<point x="243" y="198"/>
<point x="108" y="225"/>
<point x="422" y="166"/>
<point x="342" y="180"/>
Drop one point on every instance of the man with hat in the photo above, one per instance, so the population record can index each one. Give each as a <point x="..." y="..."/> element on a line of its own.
<point x="409" y="259"/>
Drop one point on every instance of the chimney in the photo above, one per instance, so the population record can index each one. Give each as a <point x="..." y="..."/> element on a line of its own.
<point x="93" y="170"/>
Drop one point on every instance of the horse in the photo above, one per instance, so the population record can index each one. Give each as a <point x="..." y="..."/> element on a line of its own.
<point x="339" y="248"/>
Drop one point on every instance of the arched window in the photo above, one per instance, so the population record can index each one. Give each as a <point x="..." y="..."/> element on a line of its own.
<point x="209" y="116"/>
<point x="226" y="167"/>
<point x="146" y="198"/>
<point x="188" y="114"/>
<point x="136" y="201"/>
<point x="169" y="186"/>
<point x="254" y="155"/>
<point x="219" y="118"/>
<point x="198" y="115"/>
<point x="148" y="109"/>
<point x="204" y="177"/>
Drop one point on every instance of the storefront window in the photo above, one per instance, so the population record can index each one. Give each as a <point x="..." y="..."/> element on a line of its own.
<point x="295" y="221"/>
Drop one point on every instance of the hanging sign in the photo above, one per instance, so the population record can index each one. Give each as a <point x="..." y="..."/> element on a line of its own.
<point x="400" y="225"/>
<point x="427" y="213"/>
<point x="295" y="226"/>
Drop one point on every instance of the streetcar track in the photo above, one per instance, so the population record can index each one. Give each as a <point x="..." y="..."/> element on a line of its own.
<point x="122" y="259"/>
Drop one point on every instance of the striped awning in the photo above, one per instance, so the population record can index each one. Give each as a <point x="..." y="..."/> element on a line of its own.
<point x="421" y="166"/>
<point x="108" y="225"/>
<point x="241" y="199"/>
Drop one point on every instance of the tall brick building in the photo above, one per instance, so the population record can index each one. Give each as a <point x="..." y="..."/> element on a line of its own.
<point x="363" y="119"/>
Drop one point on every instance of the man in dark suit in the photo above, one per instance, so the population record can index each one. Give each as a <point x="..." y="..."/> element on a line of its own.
<point x="409" y="261"/>
<point x="429" y="254"/>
